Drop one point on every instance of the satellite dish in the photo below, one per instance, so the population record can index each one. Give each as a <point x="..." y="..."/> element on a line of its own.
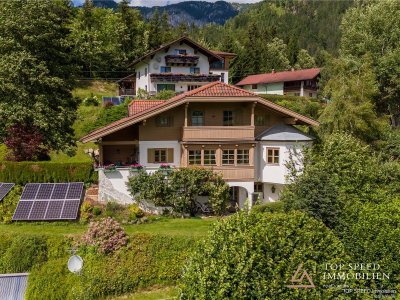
<point x="155" y="66"/>
<point x="75" y="264"/>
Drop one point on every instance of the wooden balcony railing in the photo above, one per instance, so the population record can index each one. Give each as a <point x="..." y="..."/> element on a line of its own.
<point x="186" y="60"/>
<point x="126" y="92"/>
<point x="236" y="173"/>
<point x="218" y="133"/>
<point x="172" y="77"/>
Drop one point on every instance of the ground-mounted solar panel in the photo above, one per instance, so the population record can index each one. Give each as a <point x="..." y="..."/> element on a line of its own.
<point x="49" y="201"/>
<point x="5" y="188"/>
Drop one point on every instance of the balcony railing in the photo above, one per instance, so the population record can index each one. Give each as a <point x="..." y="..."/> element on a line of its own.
<point x="235" y="172"/>
<point x="127" y="92"/>
<point x="181" y="60"/>
<point x="171" y="77"/>
<point x="218" y="133"/>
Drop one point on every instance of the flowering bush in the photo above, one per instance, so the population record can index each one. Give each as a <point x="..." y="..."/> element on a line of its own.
<point x="136" y="167"/>
<point x="110" y="168"/>
<point x="106" y="236"/>
<point x="165" y="166"/>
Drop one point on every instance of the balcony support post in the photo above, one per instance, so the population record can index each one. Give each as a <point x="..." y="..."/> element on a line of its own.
<point x="186" y="114"/>
<point x="252" y="114"/>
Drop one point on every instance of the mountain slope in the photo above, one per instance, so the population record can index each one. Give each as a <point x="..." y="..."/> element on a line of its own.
<point x="197" y="12"/>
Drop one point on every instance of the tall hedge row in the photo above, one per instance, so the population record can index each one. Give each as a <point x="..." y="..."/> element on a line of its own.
<point x="25" y="172"/>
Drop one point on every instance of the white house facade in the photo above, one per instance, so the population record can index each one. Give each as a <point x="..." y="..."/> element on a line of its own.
<point x="180" y="66"/>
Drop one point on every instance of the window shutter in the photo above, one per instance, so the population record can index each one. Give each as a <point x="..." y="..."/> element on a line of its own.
<point x="170" y="155"/>
<point x="150" y="155"/>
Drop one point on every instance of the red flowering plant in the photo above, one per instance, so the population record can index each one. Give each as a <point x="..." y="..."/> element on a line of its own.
<point x="106" y="236"/>
<point x="110" y="168"/>
<point x="136" y="167"/>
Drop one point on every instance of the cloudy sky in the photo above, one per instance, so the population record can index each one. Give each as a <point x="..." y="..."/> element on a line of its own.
<point x="165" y="2"/>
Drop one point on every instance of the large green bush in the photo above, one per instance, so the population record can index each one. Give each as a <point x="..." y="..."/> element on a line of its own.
<point x="25" y="172"/>
<point x="22" y="253"/>
<point x="254" y="257"/>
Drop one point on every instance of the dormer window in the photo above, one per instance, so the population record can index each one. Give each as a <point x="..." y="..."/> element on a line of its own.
<point x="180" y="51"/>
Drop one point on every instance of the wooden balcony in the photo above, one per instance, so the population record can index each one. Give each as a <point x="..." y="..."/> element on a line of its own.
<point x="181" y="60"/>
<point x="217" y="133"/>
<point x="172" y="77"/>
<point x="240" y="173"/>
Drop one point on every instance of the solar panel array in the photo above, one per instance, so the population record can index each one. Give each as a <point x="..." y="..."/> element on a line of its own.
<point x="49" y="201"/>
<point x="5" y="188"/>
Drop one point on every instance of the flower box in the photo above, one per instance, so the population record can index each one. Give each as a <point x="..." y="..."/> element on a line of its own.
<point x="110" y="169"/>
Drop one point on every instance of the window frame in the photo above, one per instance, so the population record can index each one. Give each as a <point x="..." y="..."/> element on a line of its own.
<point x="254" y="86"/>
<point x="273" y="156"/>
<point x="213" y="160"/>
<point x="197" y="118"/>
<point x="243" y="155"/>
<point x="159" y="151"/>
<point x="228" y="120"/>
<point x="160" y="121"/>
<point x="178" y="52"/>
<point x="163" y="69"/>
<point x="194" y="70"/>
<point x="229" y="158"/>
<point x="196" y="157"/>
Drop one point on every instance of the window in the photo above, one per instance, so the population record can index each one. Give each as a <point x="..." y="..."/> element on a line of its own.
<point x="180" y="51"/>
<point x="168" y="87"/>
<point x="209" y="157"/>
<point x="222" y="77"/>
<point x="272" y="156"/>
<point x="165" y="69"/>
<point x="228" y="157"/>
<point x="217" y="65"/>
<point x="309" y="94"/>
<point x="197" y="118"/>
<point x="228" y="118"/>
<point x="242" y="156"/>
<point x="194" y="157"/>
<point x="194" y="70"/>
<point x="254" y="86"/>
<point x="258" y="187"/>
<point x="164" y="121"/>
<point x="297" y="94"/>
<point x="160" y="155"/>
<point x="259" y="120"/>
<point x="145" y="87"/>
<point x="193" y="87"/>
<point x="145" y="71"/>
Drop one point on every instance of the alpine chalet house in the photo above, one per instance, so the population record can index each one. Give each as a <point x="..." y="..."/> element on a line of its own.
<point x="291" y="83"/>
<point x="182" y="65"/>
<point x="232" y="131"/>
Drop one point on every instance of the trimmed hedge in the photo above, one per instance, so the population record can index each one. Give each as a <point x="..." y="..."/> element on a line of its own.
<point x="26" y="172"/>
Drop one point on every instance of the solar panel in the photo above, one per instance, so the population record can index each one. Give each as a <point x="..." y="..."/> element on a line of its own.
<point x="5" y="188"/>
<point x="49" y="201"/>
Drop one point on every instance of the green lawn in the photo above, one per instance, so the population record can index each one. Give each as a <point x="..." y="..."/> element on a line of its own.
<point x="95" y="88"/>
<point x="154" y="294"/>
<point x="175" y="227"/>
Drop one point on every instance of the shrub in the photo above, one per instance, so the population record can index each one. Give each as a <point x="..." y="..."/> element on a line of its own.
<point x="25" y="172"/>
<point x="254" y="256"/>
<point x="90" y="209"/>
<point x="9" y="204"/>
<point x="272" y="207"/>
<point x="372" y="233"/>
<point x="135" y="212"/>
<point x="23" y="253"/>
<point x="91" y="101"/>
<point x="179" y="189"/>
<point x="105" y="236"/>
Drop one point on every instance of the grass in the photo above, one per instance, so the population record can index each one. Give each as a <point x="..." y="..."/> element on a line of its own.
<point x="96" y="88"/>
<point x="154" y="294"/>
<point x="194" y="227"/>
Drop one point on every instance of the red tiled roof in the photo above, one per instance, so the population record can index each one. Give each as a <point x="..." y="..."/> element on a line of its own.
<point x="219" y="89"/>
<point x="137" y="106"/>
<point x="280" y="76"/>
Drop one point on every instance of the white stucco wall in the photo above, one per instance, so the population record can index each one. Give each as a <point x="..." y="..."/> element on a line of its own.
<point x="271" y="173"/>
<point x="144" y="145"/>
<point x="270" y="88"/>
<point x="219" y="72"/>
<point x="143" y="80"/>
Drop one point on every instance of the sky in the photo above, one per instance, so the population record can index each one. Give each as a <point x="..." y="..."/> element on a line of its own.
<point x="166" y="2"/>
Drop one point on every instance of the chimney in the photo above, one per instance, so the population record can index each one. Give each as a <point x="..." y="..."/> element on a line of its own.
<point x="273" y="71"/>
